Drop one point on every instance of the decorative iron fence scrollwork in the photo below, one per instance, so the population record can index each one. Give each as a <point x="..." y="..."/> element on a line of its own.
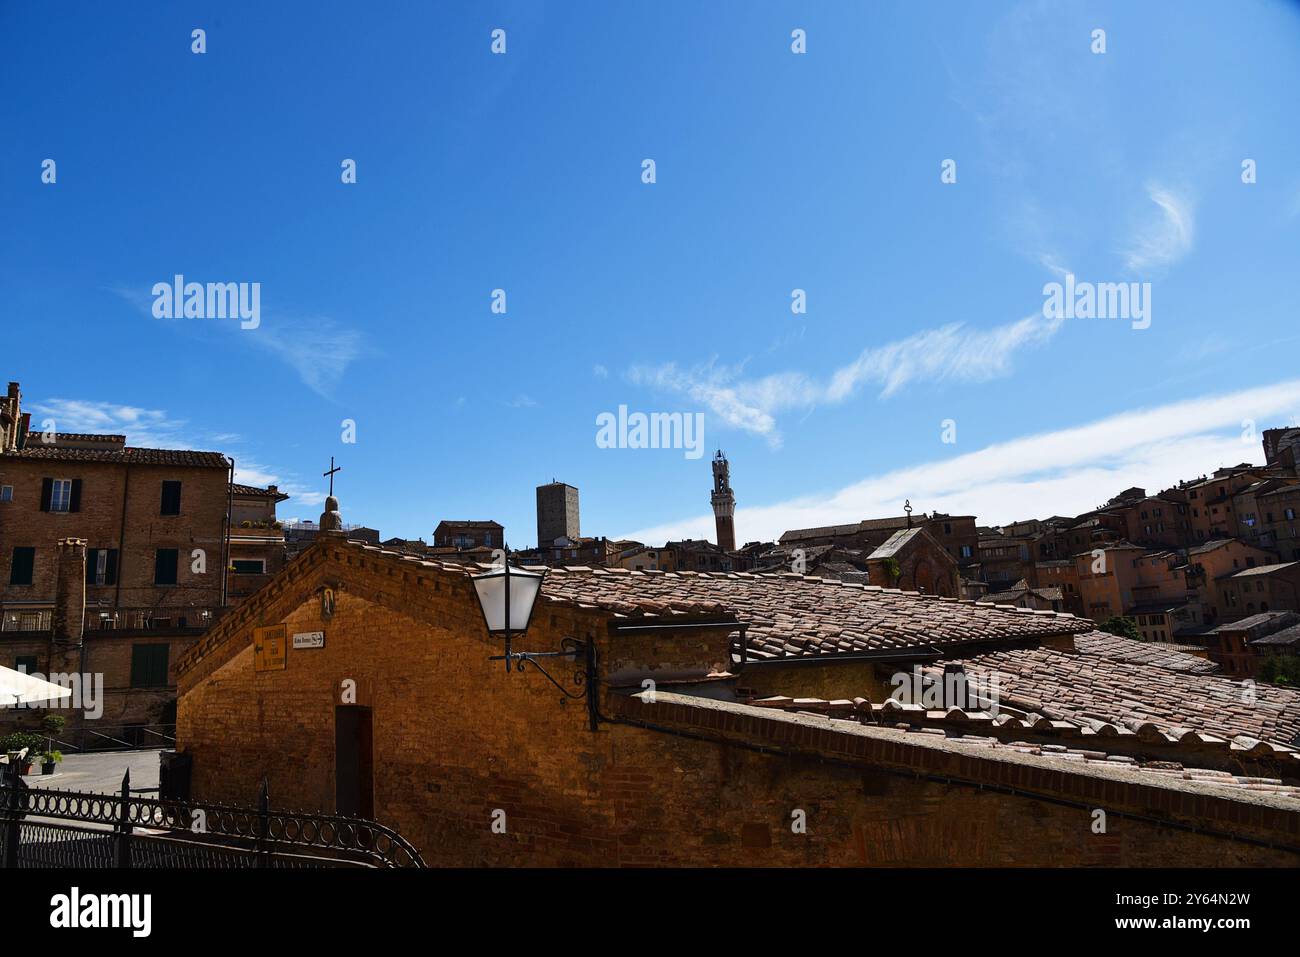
<point x="47" y="828"/>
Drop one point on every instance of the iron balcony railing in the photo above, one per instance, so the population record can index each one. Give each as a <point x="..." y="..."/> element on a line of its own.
<point x="194" y="617"/>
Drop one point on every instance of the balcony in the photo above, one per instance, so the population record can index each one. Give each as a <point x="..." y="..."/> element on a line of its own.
<point x="184" y="619"/>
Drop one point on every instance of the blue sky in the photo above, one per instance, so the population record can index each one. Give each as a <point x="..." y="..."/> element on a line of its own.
<point x="775" y="172"/>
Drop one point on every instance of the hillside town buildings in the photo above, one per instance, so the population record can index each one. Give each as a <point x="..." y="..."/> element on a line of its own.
<point x="842" y="670"/>
<point x="907" y="728"/>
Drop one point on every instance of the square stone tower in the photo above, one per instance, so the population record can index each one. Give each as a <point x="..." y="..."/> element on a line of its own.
<point x="557" y="513"/>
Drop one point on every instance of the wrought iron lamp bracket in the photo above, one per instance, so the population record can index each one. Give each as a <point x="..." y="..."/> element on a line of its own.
<point x="583" y="676"/>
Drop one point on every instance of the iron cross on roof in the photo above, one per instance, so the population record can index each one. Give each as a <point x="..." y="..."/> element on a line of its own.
<point x="333" y="468"/>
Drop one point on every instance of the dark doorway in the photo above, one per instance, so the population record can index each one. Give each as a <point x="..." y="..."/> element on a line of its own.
<point x="354" y="788"/>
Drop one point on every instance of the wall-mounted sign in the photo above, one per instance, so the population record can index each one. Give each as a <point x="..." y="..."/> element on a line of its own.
<point x="269" y="647"/>
<point x="326" y="603"/>
<point x="309" y="639"/>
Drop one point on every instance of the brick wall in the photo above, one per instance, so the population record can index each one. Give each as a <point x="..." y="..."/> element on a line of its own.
<point x="101" y="522"/>
<point x="456" y="738"/>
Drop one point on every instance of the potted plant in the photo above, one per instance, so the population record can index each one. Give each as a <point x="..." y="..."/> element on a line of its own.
<point x="49" y="759"/>
<point x="11" y="744"/>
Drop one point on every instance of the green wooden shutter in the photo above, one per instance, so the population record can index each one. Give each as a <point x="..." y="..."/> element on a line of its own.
<point x="164" y="566"/>
<point x="149" y="666"/>
<point x="20" y="569"/>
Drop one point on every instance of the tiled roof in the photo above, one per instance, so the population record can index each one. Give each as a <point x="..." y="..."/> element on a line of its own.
<point x="253" y="491"/>
<point x="183" y="458"/>
<point x="894" y="544"/>
<point x="1287" y="636"/>
<point x="1161" y="654"/>
<point x="851" y="528"/>
<point x="1098" y="690"/>
<point x="1063" y="741"/>
<point x="790" y="616"/>
<point x="1263" y="570"/>
<point x="1261" y="623"/>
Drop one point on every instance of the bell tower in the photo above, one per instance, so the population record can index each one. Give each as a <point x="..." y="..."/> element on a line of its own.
<point x="724" y="503"/>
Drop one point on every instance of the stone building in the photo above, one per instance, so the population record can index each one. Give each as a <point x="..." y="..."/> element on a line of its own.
<point x="723" y="707"/>
<point x="557" y="514"/>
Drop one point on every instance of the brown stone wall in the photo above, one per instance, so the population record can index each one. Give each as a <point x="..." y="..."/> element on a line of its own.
<point x="456" y="739"/>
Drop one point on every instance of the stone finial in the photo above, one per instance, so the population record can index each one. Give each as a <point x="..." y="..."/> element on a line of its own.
<point x="331" y="522"/>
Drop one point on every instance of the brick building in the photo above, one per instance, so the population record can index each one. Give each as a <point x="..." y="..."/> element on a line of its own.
<point x="771" y="699"/>
<point x="469" y="534"/>
<point x="911" y="559"/>
<point x="957" y="535"/>
<point x="257" y="547"/>
<point x="1273" y="587"/>
<point x="1235" y="647"/>
<point x="112" y="560"/>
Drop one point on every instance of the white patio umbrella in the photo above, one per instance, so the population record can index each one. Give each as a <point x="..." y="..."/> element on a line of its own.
<point x="19" y="688"/>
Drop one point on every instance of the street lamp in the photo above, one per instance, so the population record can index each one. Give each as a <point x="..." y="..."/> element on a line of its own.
<point x="507" y="596"/>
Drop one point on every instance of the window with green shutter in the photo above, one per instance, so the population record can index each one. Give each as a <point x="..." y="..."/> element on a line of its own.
<point x="164" y="566"/>
<point x="101" y="566"/>
<point x="149" y="666"/>
<point x="171" y="498"/>
<point x="20" y="569"/>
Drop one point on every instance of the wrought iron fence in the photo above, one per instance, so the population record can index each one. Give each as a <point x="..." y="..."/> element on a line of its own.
<point x="46" y="828"/>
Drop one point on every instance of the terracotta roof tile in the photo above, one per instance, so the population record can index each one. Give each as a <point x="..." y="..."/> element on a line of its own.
<point x="1110" y="695"/>
<point x="792" y="616"/>
<point x="127" y="456"/>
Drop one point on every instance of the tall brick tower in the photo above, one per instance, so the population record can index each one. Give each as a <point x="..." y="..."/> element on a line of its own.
<point x="724" y="503"/>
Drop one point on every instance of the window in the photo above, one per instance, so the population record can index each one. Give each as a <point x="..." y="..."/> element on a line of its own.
<point x="101" y="566"/>
<point x="171" y="498"/>
<point x="25" y="663"/>
<point x="248" y="566"/>
<point x="149" y="666"/>
<point x="60" y="495"/>
<point x="1289" y="513"/>
<point x="164" y="566"/>
<point x="965" y="551"/>
<point x="6" y="493"/>
<point x="20" y="569"/>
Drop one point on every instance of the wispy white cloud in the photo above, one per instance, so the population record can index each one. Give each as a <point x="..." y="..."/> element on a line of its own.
<point x="1063" y="472"/>
<point x="319" y="349"/>
<point x="142" y="427"/>
<point x="522" y="402"/>
<point x="599" y="371"/>
<point x="156" y="428"/>
<point x="953" y="352"/>
<point x="1164" y="238"/>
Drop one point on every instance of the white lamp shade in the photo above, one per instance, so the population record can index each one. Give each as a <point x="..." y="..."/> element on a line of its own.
<point x="491" y="590"/>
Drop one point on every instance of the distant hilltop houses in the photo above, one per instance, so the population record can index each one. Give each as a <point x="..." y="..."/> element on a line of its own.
<point x="1041" y="663"/>
<point x="1210" y="566"/>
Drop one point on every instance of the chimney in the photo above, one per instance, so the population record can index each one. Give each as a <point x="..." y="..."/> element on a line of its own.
<point x="69" y="606"/>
